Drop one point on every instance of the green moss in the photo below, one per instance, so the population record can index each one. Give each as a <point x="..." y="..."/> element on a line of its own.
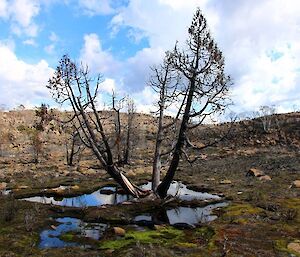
<point x="67" y="237"/>
<point x="167" y="235"/>
<point x="241" y="209"/>
<point x="205" y="232"/>
<point x="5" y="230"/>
<point x="186" y="245"/>
<point x="240" y="221"/>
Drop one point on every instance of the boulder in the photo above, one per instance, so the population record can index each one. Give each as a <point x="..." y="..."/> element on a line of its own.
<point x="253" y="172"/>
<point x="119" y="231"/>
<point x="265" y="178"/>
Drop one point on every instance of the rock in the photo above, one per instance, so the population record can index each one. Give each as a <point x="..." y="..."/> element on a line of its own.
<point x="119" y="231"/>
<point x="225" y="182"/>
<point x="253" y="172"/>
<point x="265" y="178"/>
<point x="296" y="184"/>
<point x="3" y="185"/>
<point x="107" y="191"/>
<point x="239" y="193"/>
<point x="210" y="179"/>
<point x="23" y="187"/>
<point x="294" y="246"/>
<point x="182" y="225"/>
<point x="53" y="227"/>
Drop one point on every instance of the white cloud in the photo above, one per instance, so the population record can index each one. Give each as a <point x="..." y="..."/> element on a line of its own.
<point x="145" y="100"/>
<point x="20" y="82"/>
<point x="53" y="37"/>
<point x="30" y="42"/>
<point x="49" y="49"/>
<point x="108" y="85"/>
<point x="95" y="7"/>
<point x="21" y="13"/>
<point x="3" y="8"/>
<point x="98" y="60"/>
<point x="250" y="33"/>
<point x="136" y="70"/>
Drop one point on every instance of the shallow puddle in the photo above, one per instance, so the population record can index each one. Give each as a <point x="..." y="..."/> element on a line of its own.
<point x="97" y="198"/>
<point x="180" y="190"/>
<point x="185" y="215"/>
<point x="94" y="199"/>
<point x="51" y="238"/>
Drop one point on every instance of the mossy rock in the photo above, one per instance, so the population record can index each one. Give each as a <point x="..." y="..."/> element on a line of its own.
<point x="165" y="236"/>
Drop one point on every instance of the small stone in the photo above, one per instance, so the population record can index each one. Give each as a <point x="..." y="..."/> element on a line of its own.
<point x="294" y="246"/>
<point x="225" y="182"/>
<point x="23" y="187"/>
<point x="3" y="185"/>
<point x="239" y="193"/>
<point x="253" y="172"/>
<point x="265" y="178"/>
<point x="75" y="187"/>
<point x="296" y="184"/>
<point x="119" y="231"/>
<point x="53" y="227"/>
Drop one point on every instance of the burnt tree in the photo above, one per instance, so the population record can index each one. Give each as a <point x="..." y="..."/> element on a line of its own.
<point x="203" y="90"/>
<point x="191" y="80"/>
<point x="73" y="85"/>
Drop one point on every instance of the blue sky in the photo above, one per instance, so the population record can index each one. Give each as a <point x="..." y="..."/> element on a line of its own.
<point x="122" y="38"/>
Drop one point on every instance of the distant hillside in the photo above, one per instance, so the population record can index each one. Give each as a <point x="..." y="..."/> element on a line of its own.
<point x="16" y="140"/>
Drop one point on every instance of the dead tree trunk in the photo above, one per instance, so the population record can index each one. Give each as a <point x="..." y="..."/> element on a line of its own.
<point x="130" y="118"/>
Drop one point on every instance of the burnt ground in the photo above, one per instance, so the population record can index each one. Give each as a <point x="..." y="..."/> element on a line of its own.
<point x="262" y="219"/>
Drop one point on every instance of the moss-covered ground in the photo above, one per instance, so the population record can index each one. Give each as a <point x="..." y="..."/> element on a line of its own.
<point x="262" y="219"/>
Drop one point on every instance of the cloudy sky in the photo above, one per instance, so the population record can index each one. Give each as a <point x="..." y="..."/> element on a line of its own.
<point x="260" y="40"/>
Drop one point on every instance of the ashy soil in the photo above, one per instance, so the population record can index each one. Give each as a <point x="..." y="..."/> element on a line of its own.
<point x="262" y="218"/>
